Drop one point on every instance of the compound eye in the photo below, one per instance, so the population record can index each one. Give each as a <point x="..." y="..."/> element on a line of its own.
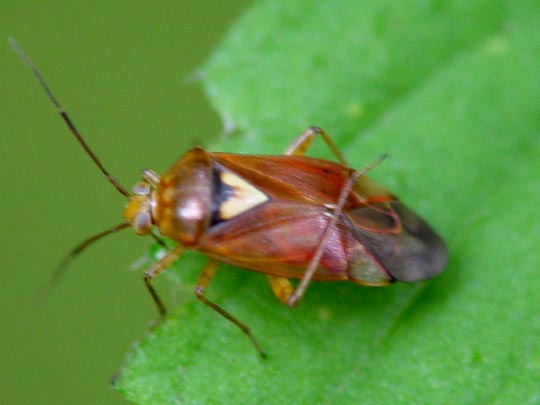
<point x="142" y="224"/>
<point x="141" y="188"/>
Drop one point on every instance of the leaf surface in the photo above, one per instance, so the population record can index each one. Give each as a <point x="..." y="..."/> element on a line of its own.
<point x="450" y="90"/>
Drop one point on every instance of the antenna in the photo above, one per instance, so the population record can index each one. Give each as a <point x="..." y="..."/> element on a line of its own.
<point x="62" y="267"/>
<point x="66" y="118"/>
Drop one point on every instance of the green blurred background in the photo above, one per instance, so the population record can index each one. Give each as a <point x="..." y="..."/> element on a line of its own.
<point x="126" y="73"/>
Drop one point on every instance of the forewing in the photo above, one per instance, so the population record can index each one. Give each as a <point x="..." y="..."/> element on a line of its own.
<point x="279" y="239"/>
<point x="415" y="252"/>
<point x="297" y="179"/>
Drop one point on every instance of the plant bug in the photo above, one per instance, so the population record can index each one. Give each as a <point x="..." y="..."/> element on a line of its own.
<point x="288" y="216"/>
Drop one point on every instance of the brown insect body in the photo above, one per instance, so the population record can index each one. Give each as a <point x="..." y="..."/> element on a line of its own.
<point x="288" y="216"/>
<point x="376" y="240"/>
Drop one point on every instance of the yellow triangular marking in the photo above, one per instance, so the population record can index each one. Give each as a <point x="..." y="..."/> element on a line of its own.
<point x="244" y="197"/>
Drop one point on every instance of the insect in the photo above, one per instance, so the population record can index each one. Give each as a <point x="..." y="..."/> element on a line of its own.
<point x="288" y="216"/>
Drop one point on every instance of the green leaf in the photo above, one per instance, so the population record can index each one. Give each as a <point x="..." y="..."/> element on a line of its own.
<point x="451" y="90"/>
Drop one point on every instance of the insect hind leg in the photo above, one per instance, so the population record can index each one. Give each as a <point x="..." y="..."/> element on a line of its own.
<point x="281" y="287"/>
<point x="334" y="213"/>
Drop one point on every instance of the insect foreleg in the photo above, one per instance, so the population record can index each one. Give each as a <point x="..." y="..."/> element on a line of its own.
<point x="155" y="270"/>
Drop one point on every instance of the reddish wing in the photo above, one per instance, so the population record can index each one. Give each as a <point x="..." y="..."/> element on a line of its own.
<point x="277" y="239"/>
<point x="298" y="179"/>
<point x="280" y="236"/>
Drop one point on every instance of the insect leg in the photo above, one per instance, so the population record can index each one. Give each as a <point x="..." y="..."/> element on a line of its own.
<point x="316" y="258"/>
<point x="281" y="287"/>
<point x="204" y="279"/>
<point x="333" y="217"/>
<point x="155" y="270"/>
<point x="302" y="143"/>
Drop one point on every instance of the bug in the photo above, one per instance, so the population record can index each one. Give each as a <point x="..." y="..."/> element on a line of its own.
<point x="288" y="216"/>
